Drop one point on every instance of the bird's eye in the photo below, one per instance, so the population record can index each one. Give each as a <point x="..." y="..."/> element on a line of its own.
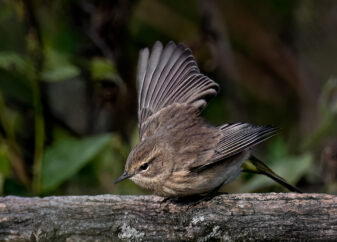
<point x="144" y="167"/>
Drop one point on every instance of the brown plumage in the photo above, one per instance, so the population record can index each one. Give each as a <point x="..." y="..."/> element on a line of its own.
<point x="179" y="153"/>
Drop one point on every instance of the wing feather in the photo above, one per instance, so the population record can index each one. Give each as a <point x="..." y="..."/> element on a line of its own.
<point x="241" y="136"/>
<point x="151" y="68"/>
<point x="170" y="75"/>
<point x="234" y="139"/>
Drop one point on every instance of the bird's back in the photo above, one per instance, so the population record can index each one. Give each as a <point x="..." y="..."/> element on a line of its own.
<point x="191" y="138"/>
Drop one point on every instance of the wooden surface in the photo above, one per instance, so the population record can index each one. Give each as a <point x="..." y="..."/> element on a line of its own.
<point x="235" y="217"/>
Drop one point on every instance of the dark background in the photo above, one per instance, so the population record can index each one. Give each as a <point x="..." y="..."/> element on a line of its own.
<point x="68" y="99"/>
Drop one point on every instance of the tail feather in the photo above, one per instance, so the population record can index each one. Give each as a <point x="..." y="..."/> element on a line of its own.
<point x="263" y="169"/>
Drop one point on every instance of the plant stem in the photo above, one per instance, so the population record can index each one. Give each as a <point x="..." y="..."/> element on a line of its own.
<point x="39" y="138"/>
<point x="14" y="149"/>
<point x="35" y="48"/>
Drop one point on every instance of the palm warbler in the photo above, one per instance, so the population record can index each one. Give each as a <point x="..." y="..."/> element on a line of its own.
<point x="179" y="153"/>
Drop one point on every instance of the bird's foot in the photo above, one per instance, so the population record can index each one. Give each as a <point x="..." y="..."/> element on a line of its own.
<point x="191" y="200"/>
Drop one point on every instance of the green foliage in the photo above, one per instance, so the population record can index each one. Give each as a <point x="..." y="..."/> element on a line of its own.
<point x="105" y="69"/>
<point x="11" y="61"/>
<point x="328" y="115"/>
<point x="5" y="169"/>
<point x="67" y="156"/>
<point x="16" y="72"/>
<point x="57" y="67"/>
<point x="102" y="68"/>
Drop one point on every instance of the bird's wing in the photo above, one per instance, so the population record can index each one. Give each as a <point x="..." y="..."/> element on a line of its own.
<point x="169" y="76"/>
<point x="234" y="139"/>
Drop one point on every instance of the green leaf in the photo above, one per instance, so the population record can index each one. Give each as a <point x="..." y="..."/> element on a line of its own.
<point x="277" y="148"/>
<point x="102" y="68"/>
<point x="12" y="62"/>
<point x="67" y="156"/>
<point x="328" y="117"/>
<point x="58" y="67"/>
<point x="13" y="86"/>
<point x="15" y="75"/>
<point x="328" y="97"/>
<point x="5" y="167"/>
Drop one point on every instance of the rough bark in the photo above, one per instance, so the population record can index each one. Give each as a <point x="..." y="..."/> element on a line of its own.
<point x="235" y="217"/>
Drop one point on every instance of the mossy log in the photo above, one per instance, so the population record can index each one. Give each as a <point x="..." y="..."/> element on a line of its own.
<point x="234" y="217"/>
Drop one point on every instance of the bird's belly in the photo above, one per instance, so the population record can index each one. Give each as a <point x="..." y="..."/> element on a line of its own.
<point x="186" y="183"/>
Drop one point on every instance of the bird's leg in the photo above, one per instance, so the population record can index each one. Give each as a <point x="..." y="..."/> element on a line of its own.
<point x="166" y="199"/>
<point x="209" y="196"/>
<point x="215" y="192"/>
<point x="195" y="199"/>
<point x="170" y="200"/>
<point x="183" y="200"/>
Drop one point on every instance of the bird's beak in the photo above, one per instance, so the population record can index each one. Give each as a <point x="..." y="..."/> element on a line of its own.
<point x="124" y="176"/>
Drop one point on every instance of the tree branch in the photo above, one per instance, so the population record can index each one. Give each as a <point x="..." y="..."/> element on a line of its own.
<point x="235" y="217"/>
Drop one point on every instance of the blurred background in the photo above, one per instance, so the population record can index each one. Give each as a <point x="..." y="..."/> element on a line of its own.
<point x="68" y="98"/>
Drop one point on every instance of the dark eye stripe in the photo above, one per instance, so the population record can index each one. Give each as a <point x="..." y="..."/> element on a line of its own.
<point x="151" y="160"/>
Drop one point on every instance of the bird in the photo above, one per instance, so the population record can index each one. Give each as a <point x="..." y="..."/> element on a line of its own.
<point x="180" y="154"/>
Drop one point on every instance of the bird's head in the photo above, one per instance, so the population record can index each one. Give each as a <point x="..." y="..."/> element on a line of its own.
<point x="147" y="163"/>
